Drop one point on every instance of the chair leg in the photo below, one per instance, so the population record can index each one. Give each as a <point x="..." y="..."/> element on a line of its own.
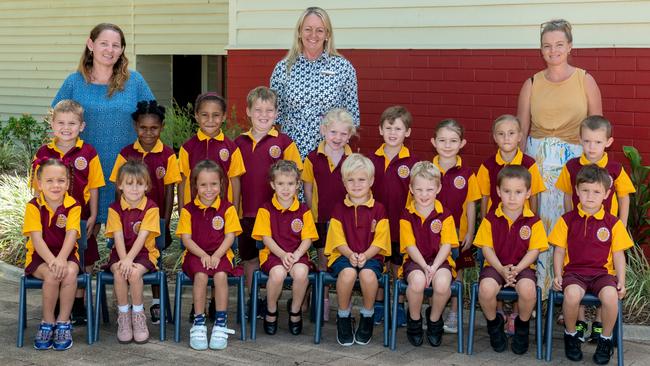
<point x="253" y="313"/>
<point x="170" y="317"/>
<point x="460" y="304"/>
<point x="538" y="324"/>
<point x="90" y="335"/>
<point x="386" y="308"/>
<point x="162" y="279"/>
<point x="105" y="316"/>
<point x="619" y="334"/>
<point x="472" y="318"/>
<point x="549" y="325"/>
<point x="241" y="307"/>
<point x="98" y="306"/>
<point x="319" y="308"/>
<point x="393" y="318"/>
<point x="22" y="317"/>
<point x="177" y="306"/>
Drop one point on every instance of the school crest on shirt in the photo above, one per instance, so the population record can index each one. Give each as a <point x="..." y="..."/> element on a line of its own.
<point x="217" y="223"/>
<point x="403" y="171"/>
<point x="80" y="163"/>
<point x="373" y="225"/>
<point x="436" y="226"/>
<point x="460" y="182"/>
<point x="296" y="225"/>
<point x="136" y="227"/>
<point x="525" y="232"/>
<point x="61" y="220"/>
<point x="275" y="151"/>
<point x="160" y="172"/>
<point x="603" y="234"/>
<point x="224" y="154"/>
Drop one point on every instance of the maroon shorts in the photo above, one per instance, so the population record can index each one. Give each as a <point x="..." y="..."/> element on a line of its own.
<point x="490" y="272"/>
<point x="410" y="266"/>
<point x="465" y="259"/>
<point x="321" y="229"/>
<point x="273" y="261"/>
<point x="591" y="284"/>
<point x="246" y="245"/>
<point x="142" y="258"/>
<point x="192" y="265"/>
<point x="37" y="261"/>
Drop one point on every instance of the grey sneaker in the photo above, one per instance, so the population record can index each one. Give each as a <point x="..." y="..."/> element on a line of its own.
<point x="451" y="323"/>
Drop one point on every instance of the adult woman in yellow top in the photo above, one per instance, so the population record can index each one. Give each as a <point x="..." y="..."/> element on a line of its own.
<point x="552" y="104"/>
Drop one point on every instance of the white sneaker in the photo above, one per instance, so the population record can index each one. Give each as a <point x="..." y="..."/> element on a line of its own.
<point x="451" y="323"/>
<point x="199" y="337"/>
<point x="219" y="337"/>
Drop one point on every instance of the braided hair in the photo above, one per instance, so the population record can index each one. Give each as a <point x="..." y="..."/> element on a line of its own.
<point x="145" y="107"/>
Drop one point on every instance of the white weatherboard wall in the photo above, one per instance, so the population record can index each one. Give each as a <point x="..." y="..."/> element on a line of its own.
<point x="41" y="41"/>
<point x="442" y="24"/>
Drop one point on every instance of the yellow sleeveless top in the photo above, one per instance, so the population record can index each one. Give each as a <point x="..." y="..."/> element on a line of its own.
<point x="557" y="109"/>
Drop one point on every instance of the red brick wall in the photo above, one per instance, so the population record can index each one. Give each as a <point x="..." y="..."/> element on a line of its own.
<point x="472" y="86"/>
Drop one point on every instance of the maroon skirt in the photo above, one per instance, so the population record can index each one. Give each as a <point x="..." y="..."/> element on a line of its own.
<point x="274" y="260"/>
<point x="192" y="265"/>
<point x="37" y="260"/>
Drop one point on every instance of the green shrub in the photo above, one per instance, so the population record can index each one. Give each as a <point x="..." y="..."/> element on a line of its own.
<point x="14" y="195"/>
<point x="25" y="135"/>
<point x="179" y="125"/>
<point x="12" y="160"/>
<point x="637" y="281"/>
<point x="638" y="220"/>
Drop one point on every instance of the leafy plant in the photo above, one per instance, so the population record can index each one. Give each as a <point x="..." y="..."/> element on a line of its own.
<point x="11" y="159"/>
<point x="638" y="220"/>
<point x="231" y="127"/>
<point x="14" y="195"/>
<point x="637" y="282"/>
<point x="26" y="133"/>
<point x="179" y="125"/>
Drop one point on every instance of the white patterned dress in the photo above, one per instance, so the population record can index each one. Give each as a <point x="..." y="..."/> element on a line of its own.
<point x="309" y="91"/>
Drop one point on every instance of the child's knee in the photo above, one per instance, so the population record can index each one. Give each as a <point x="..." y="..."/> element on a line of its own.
<point x="367" y="276"/>
<point x="526" y="290"/>
<point x="573" y="294"/>
<point x="347" y="275"/>
<point x="608" y="295"/>
<point x="277" y="273"/>
<point x="417" y="281"/>
<point x="488" y="288"/>
<point x="200" y="279"/>
<point x="300" y="272"/>
<point x="71" y="273"/>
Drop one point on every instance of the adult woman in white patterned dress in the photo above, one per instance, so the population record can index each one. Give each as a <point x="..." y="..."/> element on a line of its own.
<point x="552" y="104"/>
<point x="311" y="80"/>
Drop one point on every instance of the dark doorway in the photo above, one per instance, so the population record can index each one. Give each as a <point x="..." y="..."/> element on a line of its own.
<point x="186" y="78"/>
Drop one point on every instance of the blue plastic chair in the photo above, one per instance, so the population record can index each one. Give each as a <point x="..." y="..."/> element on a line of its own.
<point x="83" y="281"/>
<point x="260" y="278"/>
<point x="399" y="288"/>
<point x="509" y="294"/>
<point x="184" y="280"/>
<point x="151" y="278"/>
<point x="326" y="279"/>
<point x="557" y="297"/>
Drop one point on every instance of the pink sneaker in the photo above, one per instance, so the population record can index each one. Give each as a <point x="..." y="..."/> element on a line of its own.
<point x="140" y="330"/>
<point x="510" y="325"/>
<point x="124" y="327"/>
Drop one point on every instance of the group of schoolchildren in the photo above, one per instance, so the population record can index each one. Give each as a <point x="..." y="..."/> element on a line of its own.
<point x="363" y="215"/>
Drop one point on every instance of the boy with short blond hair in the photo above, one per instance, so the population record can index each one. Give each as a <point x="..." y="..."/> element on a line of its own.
<point x="589" y="256"/>
<point x="358" y="239"/>
<point x="393" y="162"/>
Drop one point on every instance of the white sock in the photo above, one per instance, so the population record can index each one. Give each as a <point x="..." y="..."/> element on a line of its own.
<point x="571" y="334"/>
<point x="607" y="338"/>
<point x="138" y="308"/>
<point x="123" y="308"/>
<point x="155" y="302"/>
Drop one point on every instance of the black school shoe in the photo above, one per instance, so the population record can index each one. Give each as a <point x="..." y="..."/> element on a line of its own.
<point x="414" y="332"/>
<point x="596" y="331"/>
<point x="363" y="334"/>
<point x="572" y="347"/>
<point x="434" y="329"/>
<point x="520" y="338"/>
<point x="78" y="315"/>
<point x="604" y="351"/>
<point x="498" y="339"/>
<point x="270" y="327"/>
<point x="295" y="328"/>
<point x="344" y="330"/>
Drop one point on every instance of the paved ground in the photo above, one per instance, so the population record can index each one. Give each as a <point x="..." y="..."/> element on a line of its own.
<point x="281" y="349"/>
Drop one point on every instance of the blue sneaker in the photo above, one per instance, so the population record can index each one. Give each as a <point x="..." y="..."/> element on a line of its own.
<point x="401" y="315"/>
<point x="43" y="339"/>
<point x="63" y="336"/>
<point x="378" y="316"/>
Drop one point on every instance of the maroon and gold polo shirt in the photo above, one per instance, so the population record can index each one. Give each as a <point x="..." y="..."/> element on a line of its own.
<point x="288" y="227"/>
<point x="161" y="163"/>
<point x="358" y="227"/>
<point x="208" y="226"/>
<point x="589" y="241"/>
<point x="258" y="156"/>
<point x="391" y="185"/>
<point x="83" y="163"/>
<point x="427" y="233"/>
<point x="489" y="170"/>
<point x="219" y="149"/>
<point x="130" y="220"/>
<point x="511" y="240"/>
<point x="53" y="224"/>
<point x="326" y="180"/>
<point x="459" y="188"/>
<point x="620" y="181"/>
